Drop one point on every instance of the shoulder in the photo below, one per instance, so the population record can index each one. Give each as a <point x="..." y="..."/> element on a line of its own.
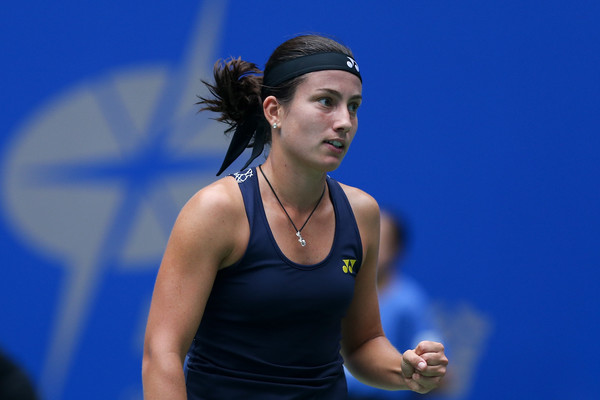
<point x="214" y="216"/>
<point x="366" y="213"/>
<point x="220" y="198"/>
<point x="364" y="206"/>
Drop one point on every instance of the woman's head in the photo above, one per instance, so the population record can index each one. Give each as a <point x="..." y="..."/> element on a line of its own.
<point x="239" y="90"/>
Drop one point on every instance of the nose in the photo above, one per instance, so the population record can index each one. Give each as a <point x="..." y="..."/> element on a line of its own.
<point x="343" y="120"/>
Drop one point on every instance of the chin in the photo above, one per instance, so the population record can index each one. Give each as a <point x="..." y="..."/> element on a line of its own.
<point x="332" y="166"/>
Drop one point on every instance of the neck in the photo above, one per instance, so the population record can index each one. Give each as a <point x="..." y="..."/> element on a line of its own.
<point x="295" y="188"/>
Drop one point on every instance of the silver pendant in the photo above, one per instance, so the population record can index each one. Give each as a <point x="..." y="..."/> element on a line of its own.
<point x="300" y="239"/>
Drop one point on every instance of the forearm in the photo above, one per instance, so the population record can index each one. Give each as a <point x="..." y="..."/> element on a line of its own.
<point x="163" y="377"/>
<point x="377" y="363"/>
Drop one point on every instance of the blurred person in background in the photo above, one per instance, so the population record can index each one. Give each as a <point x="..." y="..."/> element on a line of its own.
<point x="14" y="382"/>
<point x="406" y="316"/>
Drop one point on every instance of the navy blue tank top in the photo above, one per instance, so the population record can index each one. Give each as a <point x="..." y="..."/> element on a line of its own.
<point x="272" y="328"/>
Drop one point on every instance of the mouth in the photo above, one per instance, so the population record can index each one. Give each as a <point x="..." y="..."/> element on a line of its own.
<point x="338" y="144"/>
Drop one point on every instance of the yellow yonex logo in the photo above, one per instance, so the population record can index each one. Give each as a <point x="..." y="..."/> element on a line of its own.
<point x="348" y="266"/>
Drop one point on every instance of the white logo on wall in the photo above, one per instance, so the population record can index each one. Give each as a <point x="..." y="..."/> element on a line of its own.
<point x="98" y="174"/>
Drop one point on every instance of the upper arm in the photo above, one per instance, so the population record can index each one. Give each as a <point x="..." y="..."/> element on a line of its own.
<point x="362" y="321"/>
<point x="201" y="242"/>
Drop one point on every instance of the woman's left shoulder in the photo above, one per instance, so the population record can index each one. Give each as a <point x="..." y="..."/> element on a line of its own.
<point x="363" y="204"/>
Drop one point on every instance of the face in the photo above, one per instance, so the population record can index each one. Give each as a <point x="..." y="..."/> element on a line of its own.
<point x="318" y="125"/>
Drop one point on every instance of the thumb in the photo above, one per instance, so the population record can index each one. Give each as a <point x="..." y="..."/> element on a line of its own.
<point x="411" y="362"/>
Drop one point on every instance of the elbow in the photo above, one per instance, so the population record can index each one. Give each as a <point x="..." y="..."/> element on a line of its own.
<point x="146" y="363"/>
<point x="158" y="358"/>
<point x="153" y="358"/>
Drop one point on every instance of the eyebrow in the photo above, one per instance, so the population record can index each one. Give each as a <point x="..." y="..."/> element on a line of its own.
<point x="337" y="94"/>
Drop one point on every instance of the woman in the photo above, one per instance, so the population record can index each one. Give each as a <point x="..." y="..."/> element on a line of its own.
<point x="268" y="278"/>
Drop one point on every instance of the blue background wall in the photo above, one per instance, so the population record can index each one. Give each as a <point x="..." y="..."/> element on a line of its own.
<point x="480" y="122"/>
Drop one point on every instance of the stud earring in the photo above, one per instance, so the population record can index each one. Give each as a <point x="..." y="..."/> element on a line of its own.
<point x="275" y="125"/>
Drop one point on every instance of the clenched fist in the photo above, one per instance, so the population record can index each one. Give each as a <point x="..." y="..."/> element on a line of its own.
<point x="424" y="367"/>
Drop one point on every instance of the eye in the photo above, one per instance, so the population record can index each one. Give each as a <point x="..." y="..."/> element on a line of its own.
<point x="325" y="101"/>
<point x="353" y="107"/>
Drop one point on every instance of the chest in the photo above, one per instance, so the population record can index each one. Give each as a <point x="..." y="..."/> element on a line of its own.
<point x="269" y="289"/>
<point x="317" y="235"/>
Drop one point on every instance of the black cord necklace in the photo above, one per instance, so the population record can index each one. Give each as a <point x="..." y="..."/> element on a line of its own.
<point x="298" y="231"/>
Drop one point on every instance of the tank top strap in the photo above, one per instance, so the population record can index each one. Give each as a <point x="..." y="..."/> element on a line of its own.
<point x="347" y="231"/>
<point x="248" y="184"/>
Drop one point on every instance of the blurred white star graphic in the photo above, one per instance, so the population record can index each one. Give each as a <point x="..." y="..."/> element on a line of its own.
<point x="97" y="175"/>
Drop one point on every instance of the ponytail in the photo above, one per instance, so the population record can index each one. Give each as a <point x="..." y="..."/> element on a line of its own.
<point x="236" y="97"/>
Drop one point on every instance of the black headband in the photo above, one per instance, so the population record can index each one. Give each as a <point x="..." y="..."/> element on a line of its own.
<point x="315" y="62"/>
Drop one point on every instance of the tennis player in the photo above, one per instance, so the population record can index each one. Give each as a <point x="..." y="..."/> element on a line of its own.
<point x="268" y="281"/>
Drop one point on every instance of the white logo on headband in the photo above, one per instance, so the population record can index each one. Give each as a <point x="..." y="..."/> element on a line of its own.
<point x="351" y="63"/>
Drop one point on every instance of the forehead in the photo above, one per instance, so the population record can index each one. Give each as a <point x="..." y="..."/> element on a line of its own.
<point x="341" y="81"/>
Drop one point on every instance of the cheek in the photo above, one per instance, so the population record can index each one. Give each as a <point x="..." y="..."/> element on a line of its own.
<point x="313" y="124"/>
<point x="302" y="118"/>
<point x="354" y="130"/>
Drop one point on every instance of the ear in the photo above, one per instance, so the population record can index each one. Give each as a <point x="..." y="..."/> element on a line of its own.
<point x="271" y="108"/>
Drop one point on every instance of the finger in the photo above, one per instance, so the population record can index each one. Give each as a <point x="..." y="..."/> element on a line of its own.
<point x="434" y="359"/>
<point x="416" y="386"/>
<point x="433" y="371"/>
<point x="436" y="364"/>
<point x="427" y="346"/>
<point x="413" y="384"/>
<point x="411" y="362"/>
<point x="407" y="368"/>
<point x="428" y="383"/>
